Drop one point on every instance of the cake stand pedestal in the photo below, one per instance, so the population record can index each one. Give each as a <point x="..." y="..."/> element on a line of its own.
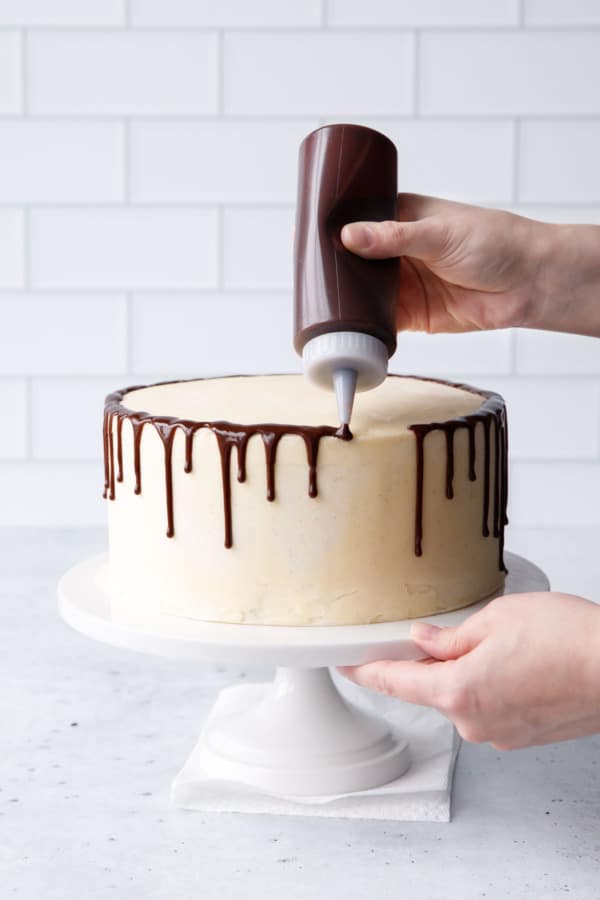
<point x="301" y="737"/>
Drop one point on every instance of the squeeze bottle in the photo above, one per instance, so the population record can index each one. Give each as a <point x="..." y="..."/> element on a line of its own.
<point x="344" y="306"/>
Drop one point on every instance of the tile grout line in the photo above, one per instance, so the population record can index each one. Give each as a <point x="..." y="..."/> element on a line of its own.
<point x="220" y="73"/>
<point x="23" y="73"/>
<point x="516" y="153"/>
<point x="262" y="118"/>
<point x="26" y="237"/>
<point x="324" y="16"/>
<point x="521" y="14"/>
<point x="261" y="205"/>
<point x="126" y="161"/>
<point x="116" y="292"/>
<point x="129" y="339"/>
<point x="220" y="250"/>
<point x="28" y="418"/>
<point x="415" y="73"/>
<point x="186" y="28"/>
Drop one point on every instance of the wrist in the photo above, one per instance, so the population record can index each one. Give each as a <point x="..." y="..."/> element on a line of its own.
<point x="545" y="270"/>
<point x="564" y="263"/>
<point x="593" y="658"/>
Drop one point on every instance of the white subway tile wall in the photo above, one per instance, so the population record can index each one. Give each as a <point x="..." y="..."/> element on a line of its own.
<point x="123" y="247"/>
<point x="318" y="72"/>
<point x="63" y="334"/>
<point x="212" y="334"/>
<point x="121" y="73"/>
<point x="12" y="252"/>
<point x="62" y="12"/>
<point x="421" y="13"/>
<point x="226" y="13"/>
<point x="148" y="160"/>
<point x="508" y="72"/>
<point x="13" y="421"/>
<point x="11" y="87"/>
<point x="217" y="161"/>
<point x="563" y="153"/>
<point x="257" y="248"/>
<point x="61" y="162"/>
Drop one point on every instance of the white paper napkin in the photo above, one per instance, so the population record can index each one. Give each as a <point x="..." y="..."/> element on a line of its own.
<point x="422" y="794"/>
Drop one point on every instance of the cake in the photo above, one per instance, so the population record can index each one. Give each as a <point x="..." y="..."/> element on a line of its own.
<point x="216" y="516"/>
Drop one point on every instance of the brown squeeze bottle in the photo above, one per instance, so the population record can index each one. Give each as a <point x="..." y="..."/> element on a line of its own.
<point x="344" y="306"/>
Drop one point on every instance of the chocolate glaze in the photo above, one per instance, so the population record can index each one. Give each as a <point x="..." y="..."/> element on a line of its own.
<point x="491" y="415"/>
<point x="228" y="436"/>
<point x="346" y="173"/>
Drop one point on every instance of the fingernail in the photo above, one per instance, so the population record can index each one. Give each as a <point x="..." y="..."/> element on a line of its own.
<point x="360" y="236"/>
<point x="423" y="631"/>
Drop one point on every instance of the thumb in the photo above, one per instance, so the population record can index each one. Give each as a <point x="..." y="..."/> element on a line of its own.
<point x="444" y="643"/>
<point x="424" y="239"/>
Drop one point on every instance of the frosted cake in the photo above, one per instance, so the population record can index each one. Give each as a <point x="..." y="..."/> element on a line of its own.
<point x="217" y="514"/>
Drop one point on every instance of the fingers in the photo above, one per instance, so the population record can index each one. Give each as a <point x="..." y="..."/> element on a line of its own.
<point x="422" y="239"/>
<point x="448" y="643"/>
<point x="414" y="681"/>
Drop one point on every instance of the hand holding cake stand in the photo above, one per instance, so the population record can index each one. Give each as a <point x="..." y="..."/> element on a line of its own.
<point x="302" y="737"/>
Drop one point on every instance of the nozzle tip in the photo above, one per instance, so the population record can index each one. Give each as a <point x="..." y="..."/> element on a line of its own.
<point x="344" y="382"/>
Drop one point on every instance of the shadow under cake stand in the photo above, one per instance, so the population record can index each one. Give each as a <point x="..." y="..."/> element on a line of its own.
<point x="301" y="737"/>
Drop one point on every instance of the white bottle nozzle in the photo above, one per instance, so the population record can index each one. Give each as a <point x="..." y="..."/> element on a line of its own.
<point x="345" y="361"/>
<point x="344" y="382"/>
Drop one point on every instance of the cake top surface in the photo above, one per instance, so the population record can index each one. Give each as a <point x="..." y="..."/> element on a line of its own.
<point x="291" y="400"/>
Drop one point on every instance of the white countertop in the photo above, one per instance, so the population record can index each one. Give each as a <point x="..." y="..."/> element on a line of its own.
<point x="93" y="736"/>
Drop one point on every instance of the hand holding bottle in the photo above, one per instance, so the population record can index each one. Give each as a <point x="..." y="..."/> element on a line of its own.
<point x="465" y="268"/>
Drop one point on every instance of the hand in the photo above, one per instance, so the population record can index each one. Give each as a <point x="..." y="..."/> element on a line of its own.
<point x="464" y="268"/>
<point x="522" y="671"/>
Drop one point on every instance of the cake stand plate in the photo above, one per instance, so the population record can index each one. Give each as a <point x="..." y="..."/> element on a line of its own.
<point x="301" y="737"/>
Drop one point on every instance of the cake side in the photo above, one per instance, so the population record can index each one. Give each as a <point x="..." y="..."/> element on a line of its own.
<point x="340" y="539"/>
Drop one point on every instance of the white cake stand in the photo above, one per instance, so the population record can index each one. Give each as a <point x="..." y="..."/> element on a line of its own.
<point x="302" y="738"/>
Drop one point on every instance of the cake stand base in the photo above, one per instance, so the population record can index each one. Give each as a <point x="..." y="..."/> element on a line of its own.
<point x="421" y="794"/>
<point x="300" y="737"/>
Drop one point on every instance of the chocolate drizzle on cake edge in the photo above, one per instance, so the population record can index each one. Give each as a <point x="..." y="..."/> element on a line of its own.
<point x="490" y="415"/>
<point x="228" y="436"/>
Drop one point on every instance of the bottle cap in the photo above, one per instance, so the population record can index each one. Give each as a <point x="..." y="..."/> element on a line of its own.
<point x="327" y="353"/>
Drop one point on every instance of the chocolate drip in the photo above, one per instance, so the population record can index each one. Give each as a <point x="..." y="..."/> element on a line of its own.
<point x="420" y="438"/>
<point x="450" y="462"/>
<point x="111" y="477"/>
<point x="471" y="425"/>
<point x="492" y="412"/>
<point x="228" y="436"/>
<point x="270" y="440"/>
<point x="241" y="448"/>
<point x="495" y="514"/>
<point x="225" y="447"/>
<point x="189" y="445"/>
<point x="312" y="449"/>
<point x="138" y="427"/>
<point x="106" y="426"/>
<point x="486" y="477"/>
<point x="167" y="435"/>
<point x="119" y="448"/>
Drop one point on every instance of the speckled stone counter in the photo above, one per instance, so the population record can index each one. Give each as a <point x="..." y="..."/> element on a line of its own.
<point x="91" y="736"/>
